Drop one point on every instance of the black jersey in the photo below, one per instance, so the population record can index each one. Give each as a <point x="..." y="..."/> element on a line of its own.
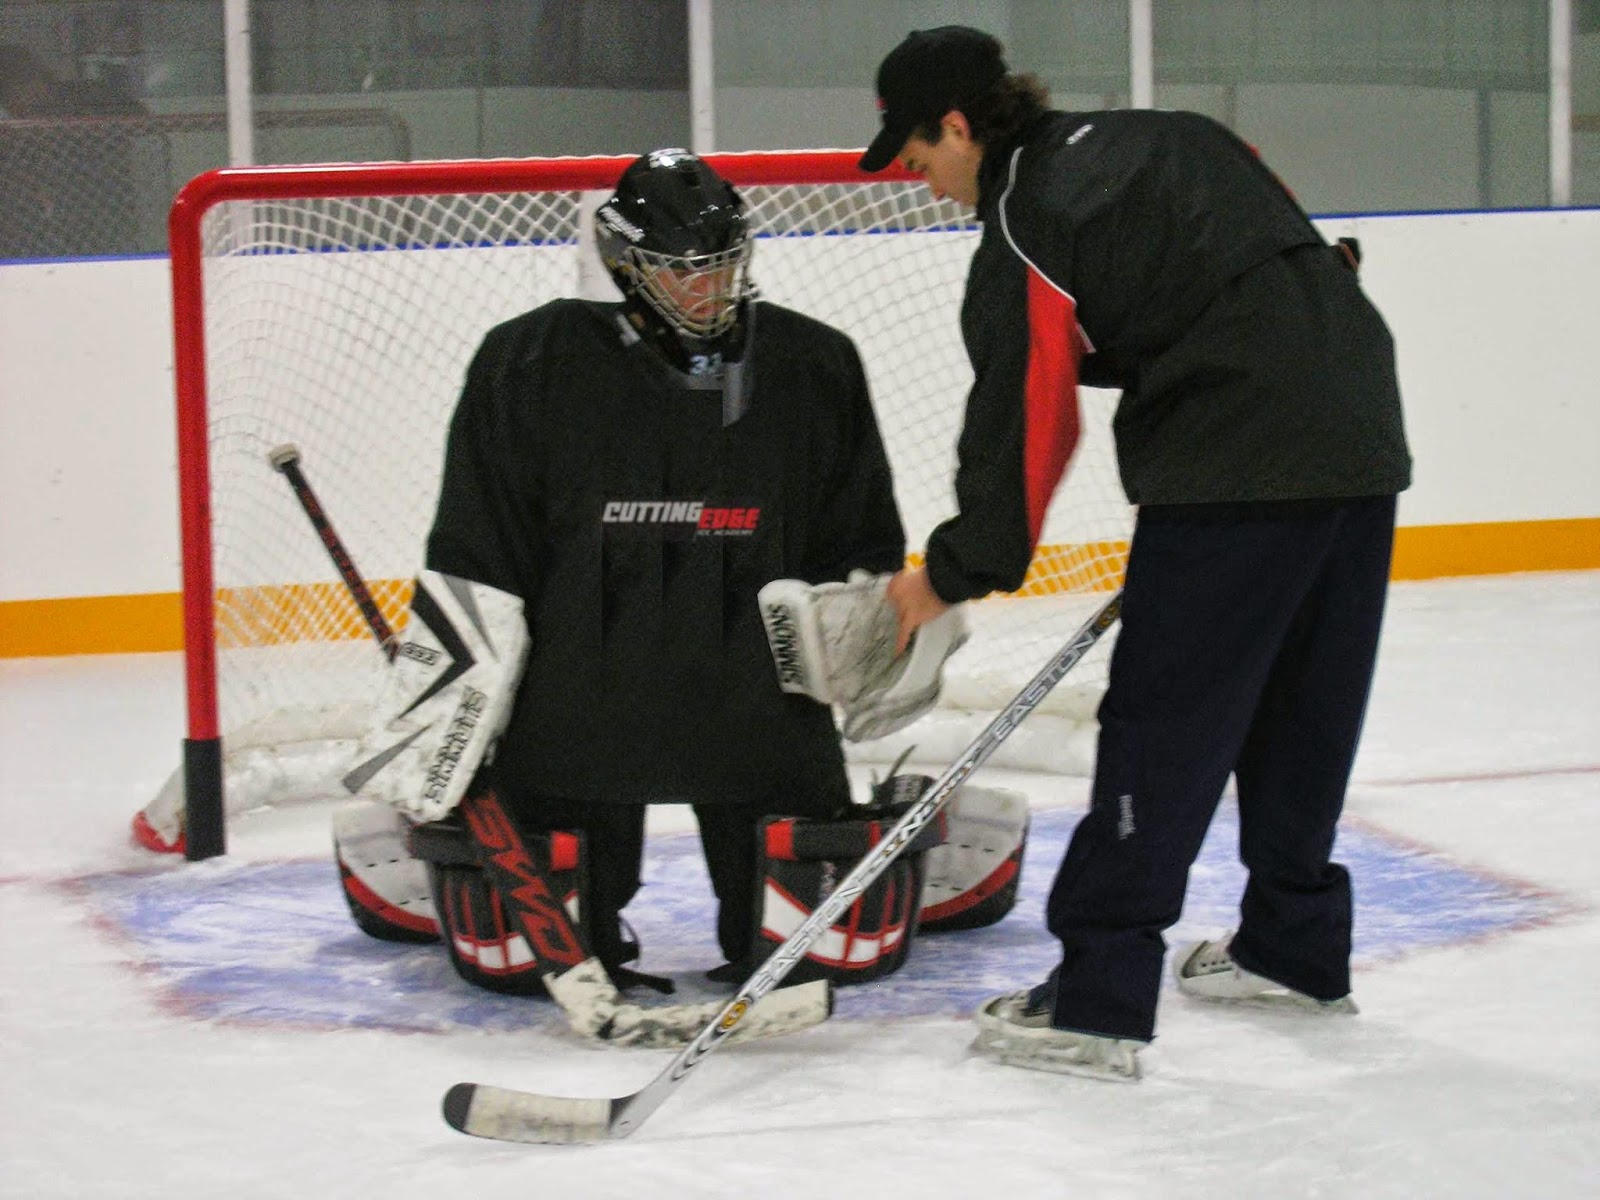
<point x="1153" y="252"/>
<point x="585" y="476"/>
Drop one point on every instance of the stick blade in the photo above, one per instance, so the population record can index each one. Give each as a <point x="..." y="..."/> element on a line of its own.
<point x="783" y="1010"/>
<point x="511" y="1116"/>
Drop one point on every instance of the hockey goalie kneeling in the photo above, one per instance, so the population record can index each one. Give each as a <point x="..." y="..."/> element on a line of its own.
<point x="626" y="504"/>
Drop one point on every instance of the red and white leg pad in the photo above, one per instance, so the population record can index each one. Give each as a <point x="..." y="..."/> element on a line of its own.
<point x="485" y="930"/>
<point x="972" y="878"/>
<point x="158" y="825"/>
<point x="803" y="861"/>
<point x="387" y="888"/>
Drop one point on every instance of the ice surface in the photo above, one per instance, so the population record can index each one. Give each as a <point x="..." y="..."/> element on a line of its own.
<point x="219" y="1029"/>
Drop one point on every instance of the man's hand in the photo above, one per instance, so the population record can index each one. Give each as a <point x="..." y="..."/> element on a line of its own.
<point x="914" y="602"/>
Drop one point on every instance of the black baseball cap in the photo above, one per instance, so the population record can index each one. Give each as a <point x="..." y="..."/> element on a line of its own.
<point x="924" y="77"/>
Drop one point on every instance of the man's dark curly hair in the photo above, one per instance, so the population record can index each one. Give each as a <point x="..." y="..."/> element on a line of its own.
<point x="999" y="113"/>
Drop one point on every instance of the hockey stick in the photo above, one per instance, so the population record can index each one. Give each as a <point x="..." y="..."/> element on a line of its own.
<point x="514" y="1116"/>
<point x="160" y="825"/>
<point x="577" y="981"/>
<point x="584" y="992"/>
<point x="286" y="461"/>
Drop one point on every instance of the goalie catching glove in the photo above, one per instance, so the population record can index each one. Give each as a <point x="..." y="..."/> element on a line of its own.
<point x="835" y="642"/>
<point x="446" y="699"/>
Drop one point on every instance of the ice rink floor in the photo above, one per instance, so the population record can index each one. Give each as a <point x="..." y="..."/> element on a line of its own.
<point x="222" y="1030"/>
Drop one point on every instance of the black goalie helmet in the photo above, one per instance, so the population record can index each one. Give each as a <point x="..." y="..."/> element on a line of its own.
<point x="674" y="236"/>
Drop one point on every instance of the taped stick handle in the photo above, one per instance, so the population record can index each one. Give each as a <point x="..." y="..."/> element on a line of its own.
<point x="285" y="460"/>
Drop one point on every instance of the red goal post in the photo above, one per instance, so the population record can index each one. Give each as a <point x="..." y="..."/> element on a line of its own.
<point x="336" y="306"/>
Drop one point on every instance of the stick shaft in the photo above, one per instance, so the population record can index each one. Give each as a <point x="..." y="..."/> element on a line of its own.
<point x="334" y="544"/>
<point x="633" y="1110"/>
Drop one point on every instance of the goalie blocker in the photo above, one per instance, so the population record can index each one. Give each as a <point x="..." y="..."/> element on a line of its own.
<point x="447" y="698"/>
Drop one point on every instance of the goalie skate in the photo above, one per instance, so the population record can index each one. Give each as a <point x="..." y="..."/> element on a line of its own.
<point x="1206" y="971"/>
<point x="1015" y="1029"/>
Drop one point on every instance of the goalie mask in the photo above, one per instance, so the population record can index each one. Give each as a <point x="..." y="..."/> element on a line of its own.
<point x="675" y="240"/>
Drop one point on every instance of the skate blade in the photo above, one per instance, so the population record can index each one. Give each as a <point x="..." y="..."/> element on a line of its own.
<point x="1034" y="1055"/>
<point x="1282" y="1001"/>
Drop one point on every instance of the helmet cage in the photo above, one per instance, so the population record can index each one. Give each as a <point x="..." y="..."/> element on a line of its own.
<point x="697" y="295"/>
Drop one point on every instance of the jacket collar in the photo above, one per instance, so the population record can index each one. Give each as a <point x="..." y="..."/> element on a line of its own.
<point x="996" y="165"/>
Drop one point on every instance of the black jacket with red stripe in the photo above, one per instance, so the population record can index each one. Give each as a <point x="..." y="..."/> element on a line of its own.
<point x="1153" y="252"/>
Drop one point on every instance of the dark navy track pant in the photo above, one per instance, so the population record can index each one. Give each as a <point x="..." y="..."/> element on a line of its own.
<point x="1247" y="646"/>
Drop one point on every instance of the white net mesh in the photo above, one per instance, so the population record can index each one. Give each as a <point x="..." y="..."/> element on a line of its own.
<point x="345" y="327"/>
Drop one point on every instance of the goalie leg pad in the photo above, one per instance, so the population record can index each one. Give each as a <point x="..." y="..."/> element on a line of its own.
<point x="158" y="826"/>
<point x="972" y="879"/>
<point x="485" y="948"/>
<point x="386" y="887"/>
<point x="524" y="873"/>
<point x="803" y="862"/>
<point x="493" y="940"/>
<point x="446" y="699"/>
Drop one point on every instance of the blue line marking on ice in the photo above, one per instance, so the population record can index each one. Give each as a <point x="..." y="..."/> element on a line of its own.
<point x="273" y="943"/>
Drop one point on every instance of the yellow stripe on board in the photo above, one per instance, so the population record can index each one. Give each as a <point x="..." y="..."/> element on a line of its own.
<point x="1082" y="567"/>
<point x="303" y="612"/>
<point x="91" y="625"/>
<point x="1496" y="548"/>
<point x="265" y="616"/>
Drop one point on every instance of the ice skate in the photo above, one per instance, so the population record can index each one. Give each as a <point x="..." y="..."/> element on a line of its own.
<point x="1206" y="971"/>
<point x="1015" y="1029"/>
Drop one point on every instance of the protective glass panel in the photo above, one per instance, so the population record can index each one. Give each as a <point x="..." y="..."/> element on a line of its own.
<point x="1372" y="105"/>
<point x="769" y="96"/>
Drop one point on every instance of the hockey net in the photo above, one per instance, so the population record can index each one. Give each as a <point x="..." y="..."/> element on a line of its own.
<point x="336" y="308"/>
